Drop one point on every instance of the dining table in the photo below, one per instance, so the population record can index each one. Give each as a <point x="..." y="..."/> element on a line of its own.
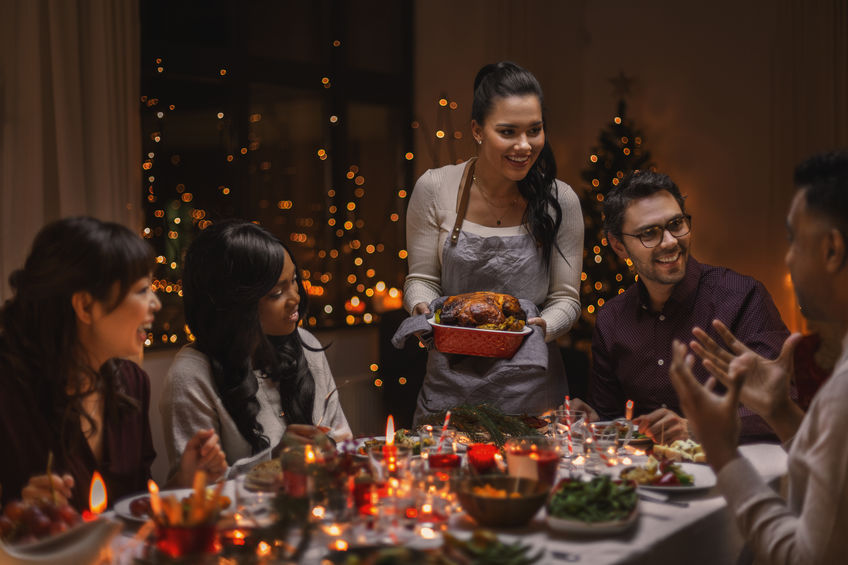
<point x="691" y="527"/>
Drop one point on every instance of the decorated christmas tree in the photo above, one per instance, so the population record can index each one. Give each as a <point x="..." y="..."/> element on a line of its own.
<point x="619" y="152"/>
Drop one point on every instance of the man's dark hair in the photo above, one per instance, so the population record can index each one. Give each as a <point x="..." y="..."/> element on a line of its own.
<point x="638" y="185"/>
<point x="824" y="179"/>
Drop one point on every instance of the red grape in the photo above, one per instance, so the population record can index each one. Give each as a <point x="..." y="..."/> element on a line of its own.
<point x="15" y="510"/>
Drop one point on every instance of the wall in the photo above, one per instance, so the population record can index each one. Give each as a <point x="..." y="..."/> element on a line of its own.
<point x="730" y="96"/>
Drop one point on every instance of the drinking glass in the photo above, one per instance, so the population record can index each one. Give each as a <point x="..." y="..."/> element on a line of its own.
<point x="569" y="430"/>
<point x="439" y="449"/>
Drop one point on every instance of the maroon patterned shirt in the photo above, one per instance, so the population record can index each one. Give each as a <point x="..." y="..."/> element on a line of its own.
<point x="26" y="438"/>
<point x="631" y="346"/>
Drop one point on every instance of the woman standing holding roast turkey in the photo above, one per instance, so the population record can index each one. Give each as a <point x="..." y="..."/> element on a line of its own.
<point x="521" y="234"/>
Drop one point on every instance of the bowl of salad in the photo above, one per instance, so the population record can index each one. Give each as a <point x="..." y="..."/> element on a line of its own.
<point x="599" y="506"/>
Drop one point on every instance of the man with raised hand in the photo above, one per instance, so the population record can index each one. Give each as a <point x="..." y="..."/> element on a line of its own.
<point x="810" y="525"/>
<point x="646" y="223"/>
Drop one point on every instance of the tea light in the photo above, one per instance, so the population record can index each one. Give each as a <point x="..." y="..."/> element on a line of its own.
<point x="334" y="530"/>
<point x="338" y="545"/>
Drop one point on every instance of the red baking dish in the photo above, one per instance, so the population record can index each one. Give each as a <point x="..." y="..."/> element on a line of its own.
<point x="473" y="341"/>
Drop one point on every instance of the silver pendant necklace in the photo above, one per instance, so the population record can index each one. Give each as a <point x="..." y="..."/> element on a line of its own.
<point x="491" y="206"/>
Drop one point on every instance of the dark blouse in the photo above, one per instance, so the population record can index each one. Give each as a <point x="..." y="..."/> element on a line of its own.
<point x="631" y="345"/>
<point x="26" y="439"/>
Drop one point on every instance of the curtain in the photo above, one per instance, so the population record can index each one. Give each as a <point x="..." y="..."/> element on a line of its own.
<point x="70" y="143"/>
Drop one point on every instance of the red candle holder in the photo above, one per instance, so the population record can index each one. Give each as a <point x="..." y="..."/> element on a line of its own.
<point x="183" y="541"/>
<point x="481" y="457"/>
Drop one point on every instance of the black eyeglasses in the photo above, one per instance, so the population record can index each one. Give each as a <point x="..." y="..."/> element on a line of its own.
<point x="653" y="236"/>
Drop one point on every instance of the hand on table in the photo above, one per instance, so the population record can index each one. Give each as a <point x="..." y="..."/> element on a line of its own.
<point x="663" y="425"/>
<point x="202" y="453"/>
<point x="577" y="404"/>
<point x="765" y="388"/>
<point x="714" y="418"/>
<point x="303" y="434"/>
<point x="38" y="488"/>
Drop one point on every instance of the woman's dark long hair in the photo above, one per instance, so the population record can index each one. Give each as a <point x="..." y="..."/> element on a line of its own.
<point x="39" y="344"/>
<point x="501" y="80"/>
<point x="228" y="269"/>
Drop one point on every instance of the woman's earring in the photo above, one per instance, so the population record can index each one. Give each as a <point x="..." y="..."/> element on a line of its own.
<point x="479" y="141"/>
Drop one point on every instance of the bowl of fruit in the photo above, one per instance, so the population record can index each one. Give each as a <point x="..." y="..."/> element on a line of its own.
<point x="44" y="532"/>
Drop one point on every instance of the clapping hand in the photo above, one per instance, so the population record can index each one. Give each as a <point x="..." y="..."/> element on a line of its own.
<point x="766" y="382"/>
<point x="715" y="418"/>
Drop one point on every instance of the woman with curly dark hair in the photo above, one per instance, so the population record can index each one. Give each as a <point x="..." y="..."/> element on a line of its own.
<point x="252" y="374"/>
<point x="81" y="303"/>
<point x="499" y="222"/>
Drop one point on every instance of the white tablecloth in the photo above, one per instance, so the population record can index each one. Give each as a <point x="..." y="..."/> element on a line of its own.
<point x="702" y="533"/>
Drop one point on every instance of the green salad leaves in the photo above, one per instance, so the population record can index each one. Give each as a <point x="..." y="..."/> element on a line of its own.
<point x="599" y="500"/>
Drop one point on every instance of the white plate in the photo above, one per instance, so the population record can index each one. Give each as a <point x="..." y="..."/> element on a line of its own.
<point x="567" y="526"/>
<point x="702" y="475"/>
<point x="360" y="444"/>
<point x="122" y="507"/>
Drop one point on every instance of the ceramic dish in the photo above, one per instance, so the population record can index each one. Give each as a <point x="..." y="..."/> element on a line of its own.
<point x="477" y="342"/>
<point x="702" y="475"/>
<point x="567" y="526"/>
<point x="81" y="545"/>
<point x="122" y="507"/>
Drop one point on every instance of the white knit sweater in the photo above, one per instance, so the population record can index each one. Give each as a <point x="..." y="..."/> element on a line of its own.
<point x="430" y="219"/>
<point x="190" y="402"/>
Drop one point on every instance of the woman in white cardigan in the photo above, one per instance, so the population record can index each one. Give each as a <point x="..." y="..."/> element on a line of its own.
<point x="252" y="374"/>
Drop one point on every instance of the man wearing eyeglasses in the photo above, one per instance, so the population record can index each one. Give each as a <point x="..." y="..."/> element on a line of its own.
<point x="646" y="222"/>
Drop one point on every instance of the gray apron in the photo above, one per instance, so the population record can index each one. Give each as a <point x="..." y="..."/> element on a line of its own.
<point x="508" y="264"/>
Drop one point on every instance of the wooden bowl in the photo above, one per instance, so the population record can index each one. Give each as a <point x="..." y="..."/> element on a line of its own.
<point x="502" y="512"/>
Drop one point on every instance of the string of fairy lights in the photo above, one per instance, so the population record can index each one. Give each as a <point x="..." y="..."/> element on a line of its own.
<point x="619" y="152"/>
<point x="339" y="246"/>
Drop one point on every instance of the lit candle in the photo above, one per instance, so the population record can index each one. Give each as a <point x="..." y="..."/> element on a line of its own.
<point x="389" y="449"/>
<point x="155" y="501"/>
<point x="628" y="410"/>
<point x="97" y="499"/>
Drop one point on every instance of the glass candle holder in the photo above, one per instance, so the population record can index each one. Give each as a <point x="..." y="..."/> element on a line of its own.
<point x="533" y="457"/>
<point x="177" y="542"/>
<point x="481" y="458"/>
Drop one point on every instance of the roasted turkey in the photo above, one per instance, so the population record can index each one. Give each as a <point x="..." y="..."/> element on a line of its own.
<point x="485" y="310"/>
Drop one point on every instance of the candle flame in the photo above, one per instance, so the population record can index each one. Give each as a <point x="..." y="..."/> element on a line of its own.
<point x="97" y="499"/>
<point x="390" y="430"/>
<point x="309" y="455"/>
